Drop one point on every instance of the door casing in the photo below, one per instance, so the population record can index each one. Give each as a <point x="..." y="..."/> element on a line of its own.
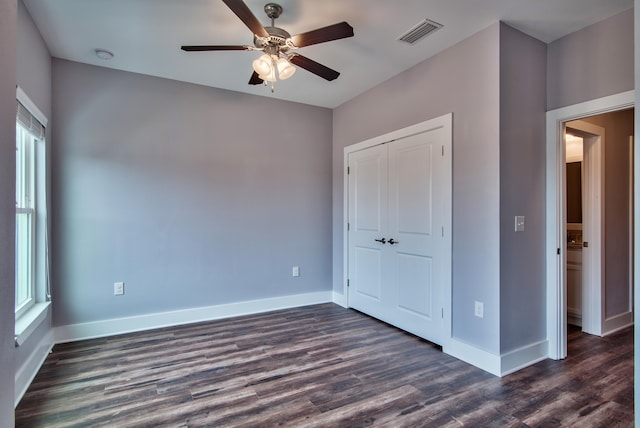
<point x="555" y="236"/>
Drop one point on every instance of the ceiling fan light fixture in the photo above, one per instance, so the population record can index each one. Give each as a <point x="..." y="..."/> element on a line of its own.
<point x="263" y="65"/>
<point x="285" y="69"/>
<point x="269" y="77"/>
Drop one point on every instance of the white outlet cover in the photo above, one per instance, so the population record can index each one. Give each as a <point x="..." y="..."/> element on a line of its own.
<point x="118" y="288"/>
<point x="519" y="226"/>
<point x="479" y="309"/>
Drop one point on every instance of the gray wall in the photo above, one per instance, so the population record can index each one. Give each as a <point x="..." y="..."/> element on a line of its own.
<point x="33" y="63"/>
<point x="591" y="63"/>
<point x="34" y="77"/>
<point x="618" y="127"/>
<point x="464" y="80"/>
<point x="522" y="189"/>
<point x="8" y="19"/>
<point x="192" y="196"/>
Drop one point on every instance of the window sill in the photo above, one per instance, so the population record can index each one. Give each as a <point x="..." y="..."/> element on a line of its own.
<point x="29" y="322"/>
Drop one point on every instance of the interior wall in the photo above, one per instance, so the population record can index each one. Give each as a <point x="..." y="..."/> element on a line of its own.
<point x="591" y="63"/>
<point x="617" y="233"/>
<point x="192" y="196"/>
<point x="464" y="80"/>
<point x="8" y="22"/>
<point x="33" y="63"/>
<point x="522" y="189"/>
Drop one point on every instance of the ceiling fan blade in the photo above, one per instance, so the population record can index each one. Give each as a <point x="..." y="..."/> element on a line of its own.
<point x="255" y="79"/>
<point x="314" y="67"/>
<point x="215" y="48"/>
<point x="326" y="34"/>
<point x="244" y="13"/>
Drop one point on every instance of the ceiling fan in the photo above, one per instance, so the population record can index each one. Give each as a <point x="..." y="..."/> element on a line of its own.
<point x="278" y="45"/>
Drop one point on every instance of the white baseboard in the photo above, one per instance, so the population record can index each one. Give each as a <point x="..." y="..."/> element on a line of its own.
<point x="470" y="354"/>
<point x="574" y="320"/>
<point x="498" y="365"/>
<point x="91" y="330"/>
<point x="616" y="323"/>
<point x="29" y="368"/>
<point x="520" y="358"/>
<point x="339" y="299"/>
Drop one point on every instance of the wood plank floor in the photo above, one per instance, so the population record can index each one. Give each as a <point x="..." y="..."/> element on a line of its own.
<point x="320" y="366"/>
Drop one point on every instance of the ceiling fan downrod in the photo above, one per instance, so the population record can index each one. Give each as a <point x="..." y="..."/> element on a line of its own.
<point x="273" y="11"/>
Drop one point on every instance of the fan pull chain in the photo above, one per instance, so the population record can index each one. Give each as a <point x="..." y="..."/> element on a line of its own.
<point x="273" y="89"/>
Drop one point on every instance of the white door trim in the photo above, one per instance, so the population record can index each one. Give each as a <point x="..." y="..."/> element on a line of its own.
<point x="556" y="298"/>
<point x="445" y="122"/>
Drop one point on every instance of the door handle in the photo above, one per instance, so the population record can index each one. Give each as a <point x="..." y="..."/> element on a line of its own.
<point x="383" y="240"/>
<point x="392" y="241"/>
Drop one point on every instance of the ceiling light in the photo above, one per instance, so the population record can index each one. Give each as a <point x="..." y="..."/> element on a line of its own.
<point x="269" y="77"/>
<point x="285" y="69"/>
<point x="266" y="66"/>
<point x="104" y="54"/>
<point x="263" y="65"/>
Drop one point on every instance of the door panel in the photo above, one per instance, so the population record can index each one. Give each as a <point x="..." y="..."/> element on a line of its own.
<point x="368" y="186"/>
<point x="413" y="295"/>
<point x="370" y="171"/>
<point x="413" y="187"/>
<point x="367" y="271"/>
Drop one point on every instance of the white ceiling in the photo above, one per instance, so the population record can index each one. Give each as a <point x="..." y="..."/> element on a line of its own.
<point x="146" y="36"/>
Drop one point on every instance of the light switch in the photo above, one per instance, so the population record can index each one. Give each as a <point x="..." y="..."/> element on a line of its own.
<point x="519" y="223"/>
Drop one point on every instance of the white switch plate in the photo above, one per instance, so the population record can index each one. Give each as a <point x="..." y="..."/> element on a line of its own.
<point x="118" y="288"/>
<point x="479" y="309"/>
<point x="519" y="223"/>
<point x="295" y="271"/>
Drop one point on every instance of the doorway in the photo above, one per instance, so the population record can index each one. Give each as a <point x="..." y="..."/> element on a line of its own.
<point x="584" y="223"/>
<point x="556" y="227"/>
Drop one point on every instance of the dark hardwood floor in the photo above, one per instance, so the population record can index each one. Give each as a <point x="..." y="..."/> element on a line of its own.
<point x="319" y="366"/>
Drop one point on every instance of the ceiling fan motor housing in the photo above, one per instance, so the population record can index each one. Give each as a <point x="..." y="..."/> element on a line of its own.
<point x="277" y="40"/>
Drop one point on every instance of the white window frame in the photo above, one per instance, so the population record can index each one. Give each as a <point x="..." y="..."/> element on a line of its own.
<point x="28" y="319"/>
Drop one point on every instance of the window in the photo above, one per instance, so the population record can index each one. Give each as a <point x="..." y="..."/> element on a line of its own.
<point x="31" y="273"/>
<point x="25" y="219"/>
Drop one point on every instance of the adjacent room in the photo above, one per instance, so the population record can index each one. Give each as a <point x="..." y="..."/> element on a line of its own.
<point x="226" y="213"/>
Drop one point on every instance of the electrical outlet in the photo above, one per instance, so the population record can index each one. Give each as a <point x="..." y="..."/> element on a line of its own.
<point x="479" y="309"/>
<point x="519" y="223"/>
<point x="118" y="288"/>
<point x="295" y="271"/>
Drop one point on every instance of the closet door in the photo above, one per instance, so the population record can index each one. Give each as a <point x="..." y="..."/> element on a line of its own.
<point x="415" y="262"/>
<point x="368" y="226"/>
<point x="397" y="257"/>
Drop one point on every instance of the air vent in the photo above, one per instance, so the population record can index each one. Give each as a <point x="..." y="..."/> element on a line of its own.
<point x="420" y="31"/>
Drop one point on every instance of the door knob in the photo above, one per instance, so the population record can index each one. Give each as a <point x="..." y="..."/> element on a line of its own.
<point x="383" y="240"/>
<point x="392" y="241"/>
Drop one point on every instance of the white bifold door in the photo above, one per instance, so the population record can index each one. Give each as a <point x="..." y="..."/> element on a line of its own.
<point x="399" y="233"/>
